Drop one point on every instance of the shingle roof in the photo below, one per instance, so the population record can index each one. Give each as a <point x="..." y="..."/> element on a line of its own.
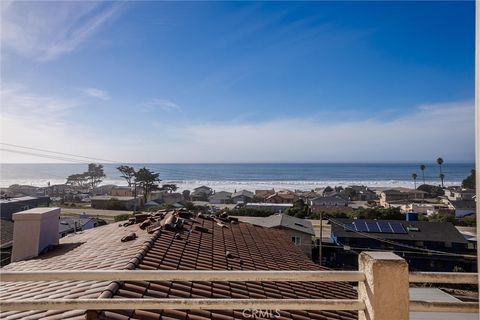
<point x="427" y="231"/>
<point x="250" y="247"/>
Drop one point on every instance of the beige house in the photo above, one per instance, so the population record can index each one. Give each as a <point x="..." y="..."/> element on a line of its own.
<point x="300" y="231"/>
<point x="390" y="196"/>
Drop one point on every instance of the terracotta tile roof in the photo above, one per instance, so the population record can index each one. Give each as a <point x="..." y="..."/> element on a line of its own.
<point x="98" y="248"/>
<point x="250" y="247"/>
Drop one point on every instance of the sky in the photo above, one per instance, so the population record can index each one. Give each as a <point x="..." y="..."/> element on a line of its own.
<point x="193" y="82"/>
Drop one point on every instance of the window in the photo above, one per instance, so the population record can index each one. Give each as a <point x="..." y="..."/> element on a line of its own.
<point x="296" y="240"/>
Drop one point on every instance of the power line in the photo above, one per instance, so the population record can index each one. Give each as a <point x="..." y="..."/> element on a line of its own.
<point x="43" y="155"/>
<point x="56" y="152"/>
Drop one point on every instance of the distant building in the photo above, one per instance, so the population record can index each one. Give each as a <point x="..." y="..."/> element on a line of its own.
<point x="221" y="197"/>
<point x="116" y="203"/>
<point x="269" y="207"/>
<point x="10" y="206"/>
<point x="362" y="193"/>
<point x="6" y="242"/>
<point x="282" y="197"/>
<point x="417" y="241"/>
<point x="262" y="195"/>
<point x="242" y="196"/>
<point x="71" y="225"/>
<point x="300" y="231"/>
<point x="201" y="193"/>
<point x="122" y="192"/>
<point x="462" y="208"/>
<point x="329" y="203"/>
<point x="459" y="194"/>
<point x="390" y="196"/>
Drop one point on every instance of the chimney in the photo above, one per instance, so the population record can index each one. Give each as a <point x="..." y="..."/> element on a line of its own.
<point x="33" y="231"/>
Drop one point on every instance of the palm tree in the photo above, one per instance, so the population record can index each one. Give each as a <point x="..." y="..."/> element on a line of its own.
<point x="442" y="176"/>
<point x="414" y="176"/>
<point x="440" y="162"/>
<point x="422" y="167"/>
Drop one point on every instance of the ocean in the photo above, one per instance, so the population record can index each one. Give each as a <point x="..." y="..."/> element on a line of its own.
<point x="230" y="177"/>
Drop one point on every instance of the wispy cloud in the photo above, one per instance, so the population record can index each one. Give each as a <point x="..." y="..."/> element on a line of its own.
<point x="96" y="93"/>
<point x="45" y="31"/>
<point x="16" y="100"/>
<point x="161" y="104"/>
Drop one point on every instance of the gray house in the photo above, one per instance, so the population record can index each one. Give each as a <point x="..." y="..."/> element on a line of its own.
<point x="242" y="196"/>
<point x="221" y="197"/>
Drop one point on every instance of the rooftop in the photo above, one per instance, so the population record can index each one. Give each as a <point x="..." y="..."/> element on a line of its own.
<point x="203" y="243"/>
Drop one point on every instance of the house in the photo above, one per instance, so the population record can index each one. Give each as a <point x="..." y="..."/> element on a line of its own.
<point x="6" y="241"/>
<point x="307" y="195"/>
<point x="282" y="197"/>
<point x="122" y="192"/>
<point x="425" y="208"/>
<point x="262" y="195"/>
<point x="116" y="203"/>
<point x="242" y="196"/>
<point x="459" y="194"/>
<point x="329" y="203"/>
<point x="390" y="196"/>
<point x="300" y="231"/>
<point x="462" y="208"/>
<point x="269" y="207"/>
<point x="221" y="197"/>
<point x="239" y="246"/>
<point x="72" y="225"/>
<point x="165" y="197"/>
<point x="362" y="193"/>
<point x="9" y="206"/>
<point x="201" y="193"/>
<point x="427" y="246"/>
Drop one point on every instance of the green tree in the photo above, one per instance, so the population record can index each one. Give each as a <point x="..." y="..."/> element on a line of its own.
<point x="327" y="190"/>
<point x="128" y="173"/>
<point x="414" y="177"/>
<point x="469" y="182"/>
<point x="350" y="193"/>
<point x="77" y="180"/>
<point x="95" y="174"/>
<point x="422" y="168"/>
<point x="432" y="191"/>
<point x="299" y="209"/>
<point x="186" y="194"/>
<point x="147" y="181"/>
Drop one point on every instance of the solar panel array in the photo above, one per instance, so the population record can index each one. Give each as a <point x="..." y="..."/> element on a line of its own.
<point x="376" y="227"/>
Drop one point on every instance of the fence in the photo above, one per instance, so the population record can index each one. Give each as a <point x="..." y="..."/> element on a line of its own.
<point x="383" y="283"/>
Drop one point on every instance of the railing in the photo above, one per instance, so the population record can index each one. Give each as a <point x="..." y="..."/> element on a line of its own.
<point x="383" y="282"/>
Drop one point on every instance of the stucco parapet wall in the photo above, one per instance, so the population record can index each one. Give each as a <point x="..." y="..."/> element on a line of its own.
<point x="36" y="214"/>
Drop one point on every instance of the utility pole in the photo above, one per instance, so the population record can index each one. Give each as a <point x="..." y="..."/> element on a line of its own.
<point x="320" y="240"/>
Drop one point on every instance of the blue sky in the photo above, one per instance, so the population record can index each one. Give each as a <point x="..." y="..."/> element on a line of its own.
<point x="240" y="81"/>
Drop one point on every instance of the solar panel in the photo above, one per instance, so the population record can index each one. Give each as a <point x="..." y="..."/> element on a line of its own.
<point x="360" y="226"/>
<point x="373" y="227"/>
<point x="384" y="227"/>
<point x="397" y="227"/>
